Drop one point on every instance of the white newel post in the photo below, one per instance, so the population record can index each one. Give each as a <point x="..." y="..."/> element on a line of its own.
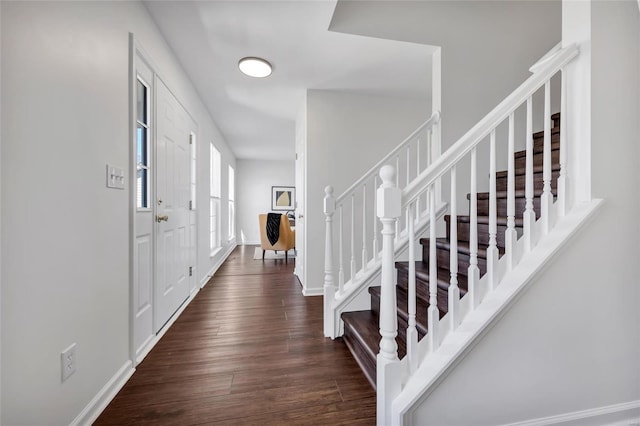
<point x="329" y="285"/>
<point x="388" y="377"/>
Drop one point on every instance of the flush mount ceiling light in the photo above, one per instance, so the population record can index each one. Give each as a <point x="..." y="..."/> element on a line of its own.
<point x="255" y="67"/>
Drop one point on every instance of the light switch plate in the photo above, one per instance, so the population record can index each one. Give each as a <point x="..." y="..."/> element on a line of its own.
<point x="115" y="177"/>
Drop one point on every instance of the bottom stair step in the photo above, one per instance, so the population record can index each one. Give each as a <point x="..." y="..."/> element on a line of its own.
<point x="362" y="337"/>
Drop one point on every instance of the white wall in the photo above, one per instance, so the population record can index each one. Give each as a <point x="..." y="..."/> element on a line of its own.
<point x="65" y="242"/>
<point x="572" y="342"/>
<point x="487" y="48"/>
<point x="253" y="193"/>
<point x="346" y="135"/>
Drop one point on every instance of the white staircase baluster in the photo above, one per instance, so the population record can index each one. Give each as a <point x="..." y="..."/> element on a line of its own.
<point x="376" y="254"/>
<point x="364" y="228"/>
<point x="329" y="285"/>
<point x="511" y="236"/>
<point x="417" y="173"/>
<point x="429" y="147"/>
<point x="437" y="152"/>
<point x="562" y="177"/>
<point x="473" y="274"/>
<point x="397" y="185"/>
<point x="529" y="216"/>
<point x="340" y="253"/>
<point x="546" y="199"/>
<point x="387" y="363"/>
<point x="353" y="237"/>
<point x="412" y="331"/>
<point x="433" y="314"/>
<point x="492" y="250"/>
<point x="408" y="165"/>
<point x="454" y="290"/>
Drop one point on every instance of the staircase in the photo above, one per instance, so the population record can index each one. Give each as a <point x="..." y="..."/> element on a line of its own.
<point x="361" y="328"/>
<point x="427" y="313"/>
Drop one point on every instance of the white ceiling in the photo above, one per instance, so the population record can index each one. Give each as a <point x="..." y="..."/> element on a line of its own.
<point x="257" y="116"/>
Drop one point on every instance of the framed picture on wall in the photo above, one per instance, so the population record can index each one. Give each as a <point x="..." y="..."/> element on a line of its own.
<point x="283" y="198"/>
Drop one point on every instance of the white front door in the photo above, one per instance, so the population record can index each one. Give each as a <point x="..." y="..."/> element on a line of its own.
<point x="171" y="205"/>
<point x="143" y="213"/>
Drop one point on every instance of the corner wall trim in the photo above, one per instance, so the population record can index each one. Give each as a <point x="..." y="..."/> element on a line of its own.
<point x="99" y="402"/>
<point x="611" y="414"/>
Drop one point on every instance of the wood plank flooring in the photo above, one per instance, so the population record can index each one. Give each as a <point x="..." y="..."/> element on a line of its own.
<point x="249" y="349"/>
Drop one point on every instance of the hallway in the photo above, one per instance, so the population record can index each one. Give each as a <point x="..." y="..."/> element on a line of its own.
<point x="249" y="349"/>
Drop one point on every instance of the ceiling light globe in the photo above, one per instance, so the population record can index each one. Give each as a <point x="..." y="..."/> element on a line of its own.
<point x="255" y="67"/>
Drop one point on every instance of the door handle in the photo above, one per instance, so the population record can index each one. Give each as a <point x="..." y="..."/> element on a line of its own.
<point x="162" y="218"/>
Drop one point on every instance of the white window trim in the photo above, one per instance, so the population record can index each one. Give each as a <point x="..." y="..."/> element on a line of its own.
<point x="149" y="165"/>
<point x="231" y="204"/>
<point x="215" y="161"/>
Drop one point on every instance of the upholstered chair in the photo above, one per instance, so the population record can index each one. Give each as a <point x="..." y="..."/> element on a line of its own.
<point x="286" y="240"/>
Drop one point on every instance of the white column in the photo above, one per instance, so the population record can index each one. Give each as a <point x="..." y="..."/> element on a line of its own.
<point x="388" y="208"/>
<point x="329" y="285"/>
<point x="387" y="363"/>
<point x="576" y="119"/>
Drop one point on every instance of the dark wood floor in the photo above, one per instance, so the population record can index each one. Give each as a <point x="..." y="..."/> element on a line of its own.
<point x="249" y="349"/>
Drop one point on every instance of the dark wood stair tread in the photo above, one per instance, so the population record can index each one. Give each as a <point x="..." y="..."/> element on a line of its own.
<point x="555" y="131"/>
<point x="444" y="276"/>
<point x="484" y="220"/>
<point x="539" y="147"/>
<point x="402" y="299"/>
<point x="521" y="171"/>
<point x="463" y="247"/>
<point x="519" y="193"/>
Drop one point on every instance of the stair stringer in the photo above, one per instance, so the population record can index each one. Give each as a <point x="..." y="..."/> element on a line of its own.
<point x="434" y="367"/>
<point x="364" y="280"/>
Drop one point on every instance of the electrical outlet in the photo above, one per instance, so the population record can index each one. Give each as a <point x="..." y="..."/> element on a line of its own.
<point x="68" y="361"/>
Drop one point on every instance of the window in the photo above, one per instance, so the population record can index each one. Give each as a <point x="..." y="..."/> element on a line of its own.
<point x="142" y="144"/>
<point x="214" y="199"/>
<point x="232" y="210"/>
<point x="192" y="142"/>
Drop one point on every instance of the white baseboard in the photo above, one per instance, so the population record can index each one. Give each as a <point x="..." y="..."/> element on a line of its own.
<point x="251" y="243"/>
<point x="624" y="414"/>
<point x="204" y="280"/>
<point x="313" y="291"/>
<point x="99" y="402"/>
